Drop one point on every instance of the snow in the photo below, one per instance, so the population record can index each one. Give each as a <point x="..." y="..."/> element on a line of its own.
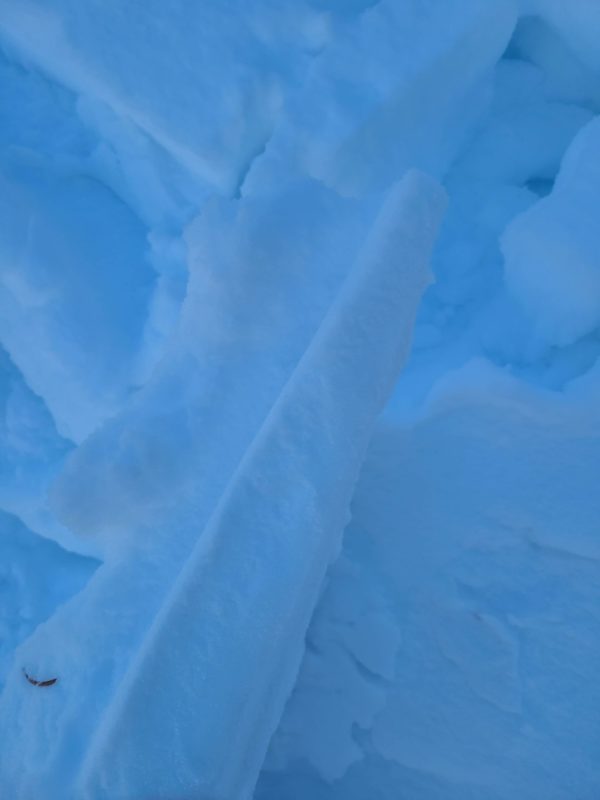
<point x="54" y="328"/>
<point x="552" y="250"/>
<point x="36" y="577"/>
<point x="233" y="61"/>
<point x="396" y="90"/>
<point x="566" y="77"/>
<point x="289" y="496"/>
<point x="578" y="25"/>
<point x="464" y="539"/>
<point x="222" y="250"/>
<point x="228" y="571"/>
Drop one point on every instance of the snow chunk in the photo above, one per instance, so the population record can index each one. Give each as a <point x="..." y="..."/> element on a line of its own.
<point x="578" y="22"/>
<point x="565" y="76"/>
<point x="206" y="80"/>
<point x="72" y="300"/>
<point x="552" y="251"/>
<point x="478" y="524"/>
<point x="265" y="532"/>
<point x="258" y="567"/>
<point x="286" y="254"/>
<point x="523" y="143"/>
<point x="398" y="90"/>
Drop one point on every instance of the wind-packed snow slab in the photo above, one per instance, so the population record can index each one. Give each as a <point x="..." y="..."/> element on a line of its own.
<point x="523" y="143"/>
<point x="552" y="251"/>
<point x="257" y="569"/>
<point x="577" y="22"/>
<point x="454" y="653"/>
<point x="286" y="254"/>
<point x="247" y="591"/>
<point x="398" y="89"/>
<point x="205" y="80"/>
<point x="143" y="487"/>
<point x="566" y="77"/>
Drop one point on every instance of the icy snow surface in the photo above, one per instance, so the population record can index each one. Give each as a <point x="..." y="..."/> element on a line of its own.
<point x="231" y="233"/>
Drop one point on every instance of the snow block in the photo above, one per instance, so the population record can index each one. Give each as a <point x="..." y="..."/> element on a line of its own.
<point x="255" y="574"/>
<point x="552" y="251"/>
<point x="212" y="105"/>
<point x="213" y="670"/>
<point x="399" y="90"/>
<point x="286" y="254"/>
<point x="72" y="304"/>
<point x="474" y="539"/>
<point x="577" y="22"/>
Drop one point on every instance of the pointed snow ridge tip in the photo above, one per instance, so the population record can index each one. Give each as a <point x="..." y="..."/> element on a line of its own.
<point x="422" y="189"/>
<point x="416" y="196"/>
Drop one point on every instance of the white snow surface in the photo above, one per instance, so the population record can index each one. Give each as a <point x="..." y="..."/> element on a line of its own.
<point x="552" y="250"/>
<point x="224" y="248"/>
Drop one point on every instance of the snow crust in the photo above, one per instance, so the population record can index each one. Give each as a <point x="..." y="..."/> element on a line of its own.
<point x="217" y="264"/>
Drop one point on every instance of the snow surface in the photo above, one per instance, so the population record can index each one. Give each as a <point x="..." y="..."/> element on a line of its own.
<point x="552" y="251"/>
<point x="214" y="248"/>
